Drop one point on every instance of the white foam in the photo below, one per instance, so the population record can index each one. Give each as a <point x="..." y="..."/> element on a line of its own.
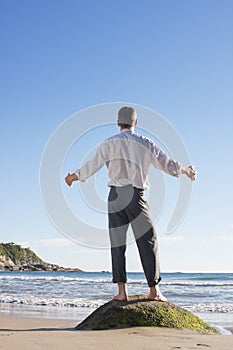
<point x="210" y="307"/>
<point x="31" y="300"/>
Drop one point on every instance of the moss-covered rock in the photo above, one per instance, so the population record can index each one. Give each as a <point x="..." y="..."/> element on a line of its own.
<point x="139" y="311"/>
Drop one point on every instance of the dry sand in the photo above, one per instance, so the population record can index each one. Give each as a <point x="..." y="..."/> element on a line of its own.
<point x="35" y="333"/>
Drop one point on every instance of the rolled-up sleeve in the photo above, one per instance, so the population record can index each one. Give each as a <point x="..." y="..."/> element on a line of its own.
<point x="160" y="160"/>
<point x="92" y="166"/>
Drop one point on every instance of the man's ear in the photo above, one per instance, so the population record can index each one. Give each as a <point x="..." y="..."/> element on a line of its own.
<point x="136" y="122"/>
<point x="118" y="123"/>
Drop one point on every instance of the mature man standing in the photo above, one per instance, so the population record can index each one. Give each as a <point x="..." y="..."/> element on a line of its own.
<point x="128" y="157"/>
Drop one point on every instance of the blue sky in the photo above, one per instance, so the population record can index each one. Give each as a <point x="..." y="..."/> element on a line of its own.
<point x="176" y="57"/>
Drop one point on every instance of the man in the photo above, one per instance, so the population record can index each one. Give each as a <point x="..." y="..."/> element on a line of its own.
<point x="128" y="157"/>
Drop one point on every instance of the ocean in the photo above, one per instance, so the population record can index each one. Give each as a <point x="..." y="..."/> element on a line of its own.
<point x="74" y="295"/>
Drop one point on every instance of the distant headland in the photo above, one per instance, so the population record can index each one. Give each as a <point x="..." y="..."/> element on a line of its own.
<point x="13" y="257"/>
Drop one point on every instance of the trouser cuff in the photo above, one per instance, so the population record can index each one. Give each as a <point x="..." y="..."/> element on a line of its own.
<point x="155" y="282"/>
<point x="115" y="281"/>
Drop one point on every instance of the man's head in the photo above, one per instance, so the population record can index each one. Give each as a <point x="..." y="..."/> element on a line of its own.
<point x="127" y="118"/>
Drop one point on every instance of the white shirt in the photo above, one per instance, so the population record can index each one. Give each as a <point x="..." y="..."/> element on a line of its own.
<point x="128" y="157"/>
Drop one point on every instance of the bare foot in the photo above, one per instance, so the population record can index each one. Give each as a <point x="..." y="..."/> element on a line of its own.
<point x="120" y="297"/>
<point x="156" y="295"/>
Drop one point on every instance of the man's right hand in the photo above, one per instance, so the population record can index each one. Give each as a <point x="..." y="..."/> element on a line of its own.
<point x="70" y="178"/>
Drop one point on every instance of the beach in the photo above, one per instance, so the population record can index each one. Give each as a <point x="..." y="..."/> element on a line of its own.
<point x="24" y="333"/>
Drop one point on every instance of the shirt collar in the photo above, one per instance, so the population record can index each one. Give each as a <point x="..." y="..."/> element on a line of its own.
<point x="127" y="130"/>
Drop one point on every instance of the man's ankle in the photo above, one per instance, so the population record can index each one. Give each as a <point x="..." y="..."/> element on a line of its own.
<point x="122" y="288"/>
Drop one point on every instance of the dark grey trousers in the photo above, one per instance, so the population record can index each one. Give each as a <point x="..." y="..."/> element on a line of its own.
<point x="128" y="205"/>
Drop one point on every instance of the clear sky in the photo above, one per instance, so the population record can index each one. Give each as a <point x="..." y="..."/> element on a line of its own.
<point x="173" y="56"/>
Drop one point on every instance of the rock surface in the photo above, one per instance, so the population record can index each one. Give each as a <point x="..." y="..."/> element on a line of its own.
<point x="15" y="258"/>
<point x="139" y="311"/>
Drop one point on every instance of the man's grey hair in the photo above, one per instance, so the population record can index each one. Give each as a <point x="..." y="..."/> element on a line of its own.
<point x="127" y="116"/>
<point x="126" y="112"/>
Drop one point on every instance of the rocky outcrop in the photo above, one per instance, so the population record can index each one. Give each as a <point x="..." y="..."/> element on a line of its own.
<point x="15" y="258"/>
<point x="139" y="311"/>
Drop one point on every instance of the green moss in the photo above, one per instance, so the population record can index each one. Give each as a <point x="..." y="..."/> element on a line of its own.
<point x="172" y="316"/>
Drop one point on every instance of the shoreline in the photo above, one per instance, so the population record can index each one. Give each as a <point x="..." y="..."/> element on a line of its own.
<point x="77" y="315"/>
<point x="26" y="333"/>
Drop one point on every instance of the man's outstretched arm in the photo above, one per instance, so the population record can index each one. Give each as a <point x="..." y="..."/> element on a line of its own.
<point x="90" y="168"/>
<point x="161" y="161"/>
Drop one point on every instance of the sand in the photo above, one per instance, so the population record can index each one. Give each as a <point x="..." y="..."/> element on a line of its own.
<point x="36" y="333"/>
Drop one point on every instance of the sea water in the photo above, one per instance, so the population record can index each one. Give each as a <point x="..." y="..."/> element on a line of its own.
<point x="74" y="295"/>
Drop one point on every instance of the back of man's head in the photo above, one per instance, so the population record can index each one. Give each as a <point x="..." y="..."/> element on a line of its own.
<point x="127" y="116"/>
